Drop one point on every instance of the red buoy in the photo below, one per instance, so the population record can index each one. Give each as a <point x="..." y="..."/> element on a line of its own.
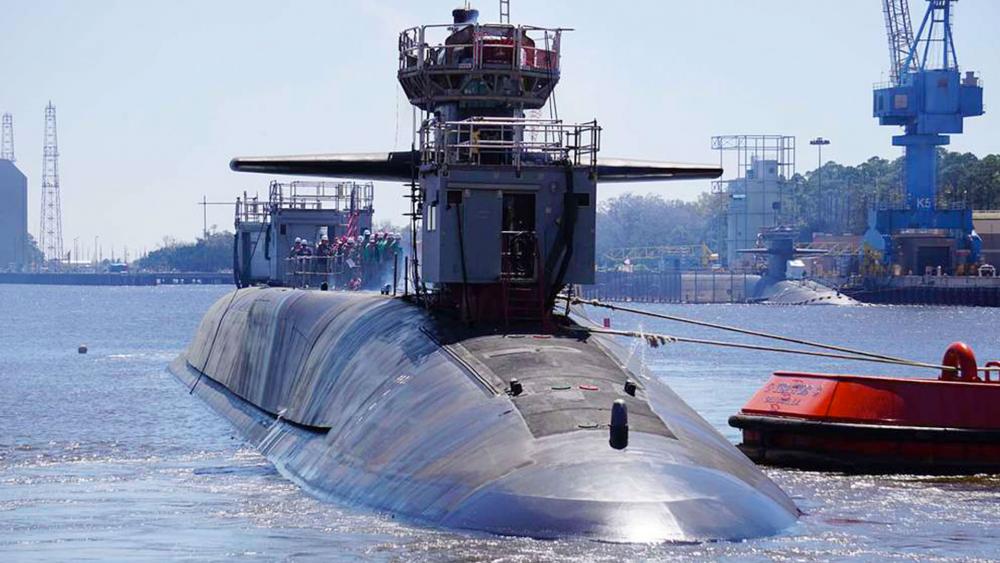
<point x="877" y="424"/>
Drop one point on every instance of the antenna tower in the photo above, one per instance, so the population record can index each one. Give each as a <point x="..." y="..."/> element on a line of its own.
<point x="7" y="139"/>
<point x="50" y="227"/>
<point x="504" y="11"/>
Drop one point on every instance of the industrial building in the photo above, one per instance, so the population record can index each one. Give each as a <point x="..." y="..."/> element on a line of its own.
<point x="987" y="224"/>
<point x="13" y="204"/>
<point x="765" y="164"/>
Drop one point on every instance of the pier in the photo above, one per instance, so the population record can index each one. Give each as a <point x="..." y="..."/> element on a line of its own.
<point x="696" y="286"/>
<point x="973" y="291"/>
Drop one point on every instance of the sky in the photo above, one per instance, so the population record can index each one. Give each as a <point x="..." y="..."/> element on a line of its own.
<point x="154" y="98"/>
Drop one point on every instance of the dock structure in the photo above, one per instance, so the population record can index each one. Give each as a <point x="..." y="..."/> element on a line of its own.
<point x="696" y="286"/>
<point x="121" y="279"/>
<point x="971" y="291"/>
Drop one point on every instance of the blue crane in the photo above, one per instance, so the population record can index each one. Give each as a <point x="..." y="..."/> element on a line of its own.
<point x="929" y="98"/>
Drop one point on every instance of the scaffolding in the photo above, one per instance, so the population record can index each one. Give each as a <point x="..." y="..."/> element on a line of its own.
<point x="7" y="138"/>
<point x="758" y="196"/>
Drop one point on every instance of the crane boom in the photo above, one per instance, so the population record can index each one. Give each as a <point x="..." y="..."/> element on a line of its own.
<point x="899" y="30"/>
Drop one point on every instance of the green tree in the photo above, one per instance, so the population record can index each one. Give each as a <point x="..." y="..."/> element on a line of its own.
<point x="213" y="253"/>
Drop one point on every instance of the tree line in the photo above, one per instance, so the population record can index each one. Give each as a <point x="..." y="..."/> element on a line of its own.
<point x="211" y="253"/>
<point x="835" y="198"/>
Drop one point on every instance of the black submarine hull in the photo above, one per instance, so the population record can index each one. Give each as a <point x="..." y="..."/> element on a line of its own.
<point x="372" y="401"/>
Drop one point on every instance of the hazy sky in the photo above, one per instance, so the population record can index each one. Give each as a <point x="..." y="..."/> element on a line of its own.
<point x="154" y="98"/>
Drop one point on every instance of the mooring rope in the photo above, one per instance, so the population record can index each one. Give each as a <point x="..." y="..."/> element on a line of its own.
<point x="845" y="353"/>
<point x="748" y="332"/>
<point x="656" y="340"/>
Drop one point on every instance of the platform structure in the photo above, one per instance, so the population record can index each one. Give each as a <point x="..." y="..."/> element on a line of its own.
<point x="266" y="231"/>
<point x="758" y="196"/>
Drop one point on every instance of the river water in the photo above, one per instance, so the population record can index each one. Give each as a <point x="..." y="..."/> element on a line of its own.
<point x="104" y="456"/>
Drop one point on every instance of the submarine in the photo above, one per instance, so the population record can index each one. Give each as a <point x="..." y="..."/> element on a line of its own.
<point x="773" y="287"/>
<point x="468" y="400"/>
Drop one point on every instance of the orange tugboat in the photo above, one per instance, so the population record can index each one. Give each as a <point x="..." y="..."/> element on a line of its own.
<point x="866" y="424"/>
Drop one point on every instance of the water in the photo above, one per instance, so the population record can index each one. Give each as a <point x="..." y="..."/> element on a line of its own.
<point x="105" y="456"/>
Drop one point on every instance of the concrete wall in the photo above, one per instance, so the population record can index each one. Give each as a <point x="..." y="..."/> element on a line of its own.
<point x="13" y="216"/>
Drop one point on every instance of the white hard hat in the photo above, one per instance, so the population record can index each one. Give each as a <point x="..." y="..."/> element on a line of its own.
<point x="298" y="240"/>
<point x="325" y="237"/>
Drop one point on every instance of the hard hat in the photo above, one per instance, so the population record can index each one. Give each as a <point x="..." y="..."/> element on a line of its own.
<point x="325" y="238"/>
<point x="298" y="240"/>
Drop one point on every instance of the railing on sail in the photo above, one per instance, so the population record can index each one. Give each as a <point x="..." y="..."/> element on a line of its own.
<point x="488" y="46"/>
<point x="514" y="142"/>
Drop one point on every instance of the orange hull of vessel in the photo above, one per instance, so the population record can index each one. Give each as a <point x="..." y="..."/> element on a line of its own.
<point x="874" y="424"/>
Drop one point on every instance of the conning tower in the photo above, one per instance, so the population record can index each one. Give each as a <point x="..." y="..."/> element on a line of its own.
<point x="508" y="201"/>
<point x="504" y="204"/>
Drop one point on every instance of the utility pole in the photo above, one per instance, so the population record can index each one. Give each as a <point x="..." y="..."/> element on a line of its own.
<point x="50" y="226"/>
<point x="819" y="143"/>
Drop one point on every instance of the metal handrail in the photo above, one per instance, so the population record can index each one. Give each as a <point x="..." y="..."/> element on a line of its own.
<point x="251" y="210"/>
<point x="493" y="46"/>
<point x="509" y="141"/>
<point x="338" y="196"/>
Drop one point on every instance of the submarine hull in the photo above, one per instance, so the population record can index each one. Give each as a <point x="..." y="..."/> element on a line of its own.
<point x="371" y="401"/>
<point x="797" y="292"/>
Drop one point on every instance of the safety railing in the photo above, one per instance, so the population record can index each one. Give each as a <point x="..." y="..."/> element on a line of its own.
<point x="341" y="271"/>
<point x="476" y="46"/>
<point x="338" y="196"/>
<point x="510" y="141"/>
<point x="251" y="210"/>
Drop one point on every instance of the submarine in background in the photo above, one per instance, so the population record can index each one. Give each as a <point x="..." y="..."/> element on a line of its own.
<point x="470" y="402"/>
<point x="774" y="286"/>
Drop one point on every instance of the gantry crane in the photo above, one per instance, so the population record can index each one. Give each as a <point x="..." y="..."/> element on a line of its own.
<point x="929" y="98"/>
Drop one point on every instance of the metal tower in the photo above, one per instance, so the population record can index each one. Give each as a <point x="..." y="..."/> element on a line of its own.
<point x="50" y="226"/>
<point x="929" y="98"/>
<point x="7" y="139"/>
